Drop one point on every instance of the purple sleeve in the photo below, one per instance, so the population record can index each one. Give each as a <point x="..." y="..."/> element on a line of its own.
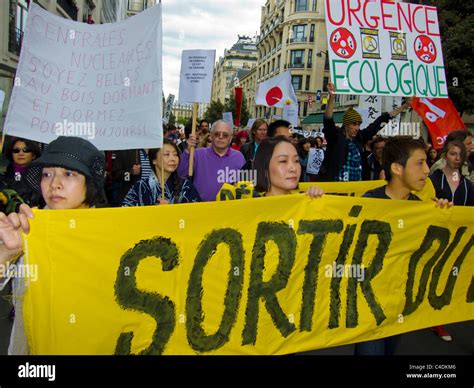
<point x="184" y="165"/>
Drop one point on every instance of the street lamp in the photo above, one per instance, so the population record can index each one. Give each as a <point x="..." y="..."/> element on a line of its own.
<point x="326" y="63"/>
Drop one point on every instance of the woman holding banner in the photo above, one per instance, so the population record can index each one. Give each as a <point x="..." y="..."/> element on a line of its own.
<point x="149" y="190"/>
<point x="69" y="175"/>
<point x="449" y="182"/>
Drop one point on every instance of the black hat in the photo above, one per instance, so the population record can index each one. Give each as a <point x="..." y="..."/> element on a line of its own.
<point x="72" y="153"/>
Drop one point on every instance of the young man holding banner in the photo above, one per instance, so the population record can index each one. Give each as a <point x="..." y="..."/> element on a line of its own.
<point x="345" y="146"/>
<point x="406" y="170"/>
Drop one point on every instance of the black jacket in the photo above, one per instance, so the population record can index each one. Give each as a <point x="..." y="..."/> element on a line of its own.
<point x="336" y="144"/>
<point x="122" y="167"/>
<point x="247" y="150"/>
<point x="464" y="194"/>
<point x="17" y="182"/>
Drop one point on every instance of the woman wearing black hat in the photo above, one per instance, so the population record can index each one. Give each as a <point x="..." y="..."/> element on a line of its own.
<point x="69" y="175"/>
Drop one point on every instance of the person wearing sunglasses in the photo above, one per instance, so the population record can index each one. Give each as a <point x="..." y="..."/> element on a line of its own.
<point x="215" y="165"/>
<point x="20" y="154"/>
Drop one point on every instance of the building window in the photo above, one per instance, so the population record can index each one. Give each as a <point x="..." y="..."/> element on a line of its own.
<point x="308" y="80"/>
<point x="299" y="33"/>
<point x="310" y="58"/>
<point x="352" y="97"/>
<point x="297" y="59"/>
<point x="311" y="33"/>
<point x="315" y="5"/>
<point x="326" y="62"/>
<point x="305" y="108"/>
<point x="17" y="26"/>
<point x="297" y="80"/>
<point x="301" y="5"/>
<point x="69" y="7"/>
<point x="21" y="15"/>
<point x="136" y="5"/>
<point x="325" y="83"/>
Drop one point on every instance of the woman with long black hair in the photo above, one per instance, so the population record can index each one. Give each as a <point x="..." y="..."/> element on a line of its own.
<point x="149" y="190"/>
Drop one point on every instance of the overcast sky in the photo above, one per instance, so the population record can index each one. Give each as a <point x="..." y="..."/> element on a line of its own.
<point x="203" y="24"/>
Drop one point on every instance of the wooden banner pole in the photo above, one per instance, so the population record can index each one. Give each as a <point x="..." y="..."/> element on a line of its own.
<point x="193" y="132"/>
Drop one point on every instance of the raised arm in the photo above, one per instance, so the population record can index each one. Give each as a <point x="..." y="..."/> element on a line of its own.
<point x="331" y="99"/>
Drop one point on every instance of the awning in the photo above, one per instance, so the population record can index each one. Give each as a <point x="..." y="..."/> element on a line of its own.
<point x="317" y="118"/>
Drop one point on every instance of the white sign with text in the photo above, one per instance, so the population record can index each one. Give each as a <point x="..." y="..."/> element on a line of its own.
<point x="101" y="82"/>
<point x="197" y="69"/>
<point x="385" y="48"/>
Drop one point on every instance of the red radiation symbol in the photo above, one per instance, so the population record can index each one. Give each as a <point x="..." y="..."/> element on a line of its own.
<point x="274" y="96"/>
<point x="425" y="49"/>
<point x="343" y="43"/>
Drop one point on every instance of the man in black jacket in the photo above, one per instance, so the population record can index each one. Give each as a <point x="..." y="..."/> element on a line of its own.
<point x="345" y="146"/>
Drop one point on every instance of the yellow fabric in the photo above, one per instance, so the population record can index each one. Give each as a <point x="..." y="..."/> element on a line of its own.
<point x="86" y="275"/>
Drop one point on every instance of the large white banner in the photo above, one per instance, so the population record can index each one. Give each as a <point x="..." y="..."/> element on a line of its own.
<point x="385" y="48"/>
<point x="99" y="82"/>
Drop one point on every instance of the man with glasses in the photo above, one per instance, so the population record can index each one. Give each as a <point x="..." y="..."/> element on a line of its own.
<point x="215" y="165"/>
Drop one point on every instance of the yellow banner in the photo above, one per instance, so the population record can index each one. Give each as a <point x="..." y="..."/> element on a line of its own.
<point x="259" y="276"/>
<point x="352" y="189"/>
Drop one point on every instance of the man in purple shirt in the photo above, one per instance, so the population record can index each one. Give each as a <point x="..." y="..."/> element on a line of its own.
<point x="215" y="165"/>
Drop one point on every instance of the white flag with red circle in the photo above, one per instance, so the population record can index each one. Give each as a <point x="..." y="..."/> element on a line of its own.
<point x="277" y="92"/>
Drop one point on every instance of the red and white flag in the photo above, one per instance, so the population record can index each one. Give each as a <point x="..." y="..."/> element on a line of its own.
<point x="440" y="116"/>
<point x="277" y="92"/>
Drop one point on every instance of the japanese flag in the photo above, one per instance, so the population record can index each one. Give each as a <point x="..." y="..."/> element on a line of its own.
<point x="277" y="92"/>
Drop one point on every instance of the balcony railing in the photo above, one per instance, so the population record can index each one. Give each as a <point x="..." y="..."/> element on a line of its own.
<point x="296" y="40"/>
<point x="296" y="66"/>
<point x="69" y="7"/>
<point x="14" y="40"/>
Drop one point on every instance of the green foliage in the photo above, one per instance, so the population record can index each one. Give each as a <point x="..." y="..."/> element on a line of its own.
<point x="230" y="107"/>
<point x="182" y="120"/>
<point x="457" y="36"/>
<point x="214" y="111"/>
<point x="172" y="119"/>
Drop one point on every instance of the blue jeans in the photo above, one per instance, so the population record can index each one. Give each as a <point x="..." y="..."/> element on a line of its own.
<point x="378" y="347"/>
